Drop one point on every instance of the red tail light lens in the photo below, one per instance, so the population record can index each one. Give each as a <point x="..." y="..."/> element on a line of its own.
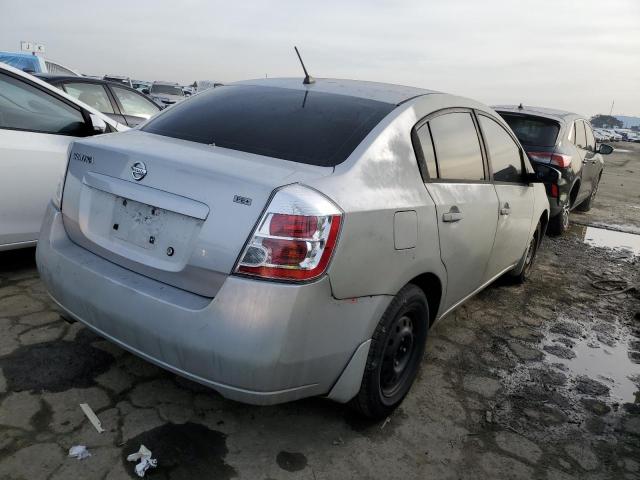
<point x="296" y="226"/>
<point x="295" y="238"/>
<point x="557" y="159"/>
<point x="554" y="190"/>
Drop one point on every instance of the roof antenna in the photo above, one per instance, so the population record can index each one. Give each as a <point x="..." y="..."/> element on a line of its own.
<point x="308" y="79"/>
<point x="520" y="107"/>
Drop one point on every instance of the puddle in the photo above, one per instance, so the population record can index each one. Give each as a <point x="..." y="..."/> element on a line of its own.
<point x="611" y="365"/>
<point x="183" y="452"/>
<point x="600" y="237"/>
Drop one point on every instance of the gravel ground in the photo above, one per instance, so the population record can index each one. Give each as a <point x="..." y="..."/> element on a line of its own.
<point x="534" y="381"/>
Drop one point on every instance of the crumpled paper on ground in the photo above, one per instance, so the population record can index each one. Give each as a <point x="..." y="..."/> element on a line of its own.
<point x="79" y="451"/>
<point x="145" y="460"/>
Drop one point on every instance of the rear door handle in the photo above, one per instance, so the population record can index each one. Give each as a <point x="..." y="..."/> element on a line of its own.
<point x="454" y="215"/>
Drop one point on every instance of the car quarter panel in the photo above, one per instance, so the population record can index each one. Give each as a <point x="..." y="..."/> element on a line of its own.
<point x="380" y="178"/>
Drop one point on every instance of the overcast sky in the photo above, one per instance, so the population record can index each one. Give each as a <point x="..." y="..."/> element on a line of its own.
<point x="574" y="55"/>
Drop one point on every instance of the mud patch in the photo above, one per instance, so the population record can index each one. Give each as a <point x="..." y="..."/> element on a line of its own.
<point x="54" y="367"/>
<point x="291" y="461"/>
<point x="187" y="451"/>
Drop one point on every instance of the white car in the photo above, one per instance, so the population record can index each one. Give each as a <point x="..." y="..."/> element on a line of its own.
<point x="37" y="124"/>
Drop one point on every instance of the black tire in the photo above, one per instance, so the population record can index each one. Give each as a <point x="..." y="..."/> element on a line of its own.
<point x="559" y="223"/>
<point x="521" y="272"/>
<point x="588" y="203"/>
<point x="397" y="348"/>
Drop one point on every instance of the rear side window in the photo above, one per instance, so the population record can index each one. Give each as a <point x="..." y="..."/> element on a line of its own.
<point x="533" y="131"/>
<point x="504" y="153"/>
<point x="308" y="127"/>
<point x="457" y="148"/>
<point x="581" y="139"/>
<point x="93" y="95"/>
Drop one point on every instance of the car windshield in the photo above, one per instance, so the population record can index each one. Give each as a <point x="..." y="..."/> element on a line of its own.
<point x="534" y="131"/>
<point x="309" y="127"/>
<point x="166" y="89"/>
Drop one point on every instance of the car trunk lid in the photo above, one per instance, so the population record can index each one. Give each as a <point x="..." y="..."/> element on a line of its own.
<point x="173" y="210"/>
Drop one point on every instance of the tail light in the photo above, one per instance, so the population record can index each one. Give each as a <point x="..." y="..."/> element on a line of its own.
<point x="557" y="159"/>
<point x="554" y="190"/>
<point x="295" y="237"/>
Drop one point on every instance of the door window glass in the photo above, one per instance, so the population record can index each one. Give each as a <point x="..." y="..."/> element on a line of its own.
<point x="25" y="107"/>
<point x="504" y="153"/>
<point x="457" y="147"/>
<point x="581" y="139"/>
<point x="591" y="140"/>
<point x="134" y="104"/>
<point x="93" y="95"/>
<point x="426" y="146"/>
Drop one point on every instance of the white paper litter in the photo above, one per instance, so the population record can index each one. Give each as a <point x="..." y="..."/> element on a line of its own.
<point x="93" y="418"/>
<point x="79" y="451"/>
<point x="144" y="455"/>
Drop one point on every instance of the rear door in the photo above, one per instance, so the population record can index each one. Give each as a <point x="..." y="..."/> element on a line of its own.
<point x="135" y="107"/>
<point x="515" y="195"/>
<point x="36" y="128"/>
<point x="466" y="201"/>
<point x="95" y="95"/>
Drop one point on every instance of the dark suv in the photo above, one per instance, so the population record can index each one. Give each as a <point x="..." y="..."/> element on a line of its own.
<point x="565" y="142"/>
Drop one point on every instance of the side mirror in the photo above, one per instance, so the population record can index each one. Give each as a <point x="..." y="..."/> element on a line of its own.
<point x="605" y="149"/>
<point x="544" y="174"/>
<point x="145" y="91"/>
<point x="98" y="125"/>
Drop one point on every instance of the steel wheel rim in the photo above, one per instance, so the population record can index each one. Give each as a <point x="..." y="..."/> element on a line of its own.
<point x="398" y="353"/>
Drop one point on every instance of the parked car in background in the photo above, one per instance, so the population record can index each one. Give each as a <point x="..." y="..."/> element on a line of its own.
<point x="613" y="135"/>
<point x="307" y="235"/>
<point x="600" y="136"/>
<point x="202" y="85"/>
<point x="30" y="63"/>
<point x="37" y="124"/>
<point x="118" y="79"/>
<point x="123" y="104"/>
<point x="564" y="141"/>
<point x="140" y="85"/>
<point x="165" y="93"/>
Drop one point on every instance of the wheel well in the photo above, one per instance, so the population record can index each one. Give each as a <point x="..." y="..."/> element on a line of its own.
<point x="574" y="192"/>
<point x="432" y="288"/>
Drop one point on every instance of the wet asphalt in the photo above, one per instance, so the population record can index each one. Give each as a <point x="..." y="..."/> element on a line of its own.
<point x="534" y="381"/>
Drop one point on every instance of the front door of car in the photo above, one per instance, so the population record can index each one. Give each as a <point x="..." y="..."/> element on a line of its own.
<point x="466" y="202"/>
<point x="592" y="161"/>
<point x="35" y="131"/>
<point x="587" y="162"/>
<point x="135" y="107"/>
<point x="515" y="196"/>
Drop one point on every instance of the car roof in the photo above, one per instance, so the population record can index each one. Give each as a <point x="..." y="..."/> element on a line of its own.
<point x="53" y="78"/>
<point x="159" y="82"/>
<point x="538" y="112"/>
<point x="381" y="92"/>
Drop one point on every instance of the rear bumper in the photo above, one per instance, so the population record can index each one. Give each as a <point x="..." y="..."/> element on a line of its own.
<point x="256" y="342"/>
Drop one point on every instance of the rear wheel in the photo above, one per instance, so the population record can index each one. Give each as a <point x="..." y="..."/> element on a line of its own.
<point x="521" y="272"/>
<point x="588" y="203"/>
<point x="559" y="223"/>
<point x="396" y="351"/>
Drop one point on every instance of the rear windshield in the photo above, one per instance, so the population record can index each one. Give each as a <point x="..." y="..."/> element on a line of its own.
<point x="534" y="131"/>
<point x="166" y="89"/>
<point x="308" y="127"/>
